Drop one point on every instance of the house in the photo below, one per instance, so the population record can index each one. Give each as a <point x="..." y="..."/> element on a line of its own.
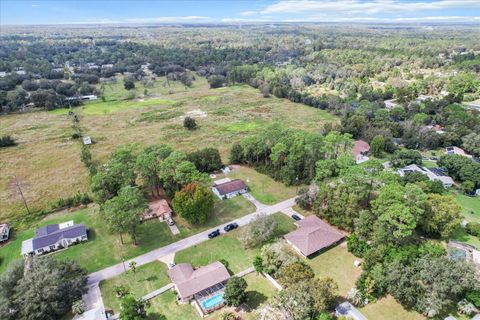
<point x="87" y="140"/>
<point x="360" y="151"/>
<point x="348" y="311"/>
<point x="205" y="285"/>
<point x="4" y="232"/>
<point x="438" y="128"/>
<point x="158" y="209"/>
<point x="3" y="74"/>
<point x="55" y="236"/>
<point x="229" y="189"/>
<point x="312" y="235"/>
<point x="432" y="174"/>
<point x="457" y="151"/>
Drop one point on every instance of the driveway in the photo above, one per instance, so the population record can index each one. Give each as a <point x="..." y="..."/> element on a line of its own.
<point x="93" y="298"/>
<point x="153" y="255"/>
<point x="254" y="201"/>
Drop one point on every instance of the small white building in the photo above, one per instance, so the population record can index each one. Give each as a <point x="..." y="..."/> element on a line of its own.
<point x="89" y="97"/>
<point x="87" y="140"/>
<point x="229" y="189"/>
<point x="432" y="173"/>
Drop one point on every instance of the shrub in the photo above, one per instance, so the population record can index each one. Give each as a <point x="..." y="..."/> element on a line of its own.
<point x="474" y="297"/>
<point x="473" y="228"/>
<point x="7" y="141"/>
<point x="189" y="123"/>
<point x="356" y="246"/>
<point x="235" y="293"/>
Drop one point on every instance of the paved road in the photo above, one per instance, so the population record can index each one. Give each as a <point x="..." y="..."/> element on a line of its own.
<point x="151" y="256"/>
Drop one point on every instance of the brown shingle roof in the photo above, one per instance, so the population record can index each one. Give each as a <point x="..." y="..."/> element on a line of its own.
<point x="313" y="234"/>
<point x="157" y="209"/>
<point x="190" y="282"/>
<point x="360" y="147"/>
<point x="230" y="186"/>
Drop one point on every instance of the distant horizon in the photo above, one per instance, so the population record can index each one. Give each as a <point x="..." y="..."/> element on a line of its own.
<point x="126" y="12"/>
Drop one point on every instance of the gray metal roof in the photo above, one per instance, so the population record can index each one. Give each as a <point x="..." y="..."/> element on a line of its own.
<point x="46" y="240"/>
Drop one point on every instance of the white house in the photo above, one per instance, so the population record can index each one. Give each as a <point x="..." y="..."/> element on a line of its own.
<point x="432" y="173"/>
<point x="229" y="189"/>
<point x="457" y="151"/>
<point x="54" y="237"/>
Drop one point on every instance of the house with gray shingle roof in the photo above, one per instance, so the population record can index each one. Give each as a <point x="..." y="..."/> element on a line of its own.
<point x="54" y="237"/>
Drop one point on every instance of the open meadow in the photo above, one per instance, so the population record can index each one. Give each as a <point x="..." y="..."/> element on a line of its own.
<point x="47" y="159"/>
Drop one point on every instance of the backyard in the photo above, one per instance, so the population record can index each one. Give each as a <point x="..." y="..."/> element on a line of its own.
<point x="338" y="264"/>
<point x="389" y="308"/>
<point x="262" y="187"/>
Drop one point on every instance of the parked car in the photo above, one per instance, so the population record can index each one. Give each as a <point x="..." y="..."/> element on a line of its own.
<point x="170" y="222"/>
<point x="295" y="217"/>
<point x="230" y="227"/>
<point x="213" y="234"/>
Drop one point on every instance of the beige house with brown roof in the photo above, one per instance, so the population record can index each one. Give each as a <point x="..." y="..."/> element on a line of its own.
<point x="312" y="235"/>
<point x="190" y="282"/>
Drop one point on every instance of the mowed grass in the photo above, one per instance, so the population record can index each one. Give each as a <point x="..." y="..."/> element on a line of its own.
<point x="262" y="187"/>
<point x="229" y="248"/>
<point x="389" y="308"/>
<point x="104" y="249"/>
<point x="338" y="264"/>
<point x="147" y="278"/>
<point x="48" y="160"/>
<point x="470" y="206"/>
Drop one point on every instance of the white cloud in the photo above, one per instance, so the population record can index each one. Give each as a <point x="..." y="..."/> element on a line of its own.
<point x="248" y="13"/>
<point x="35" y="5"/>
<point x="368" y="7"/>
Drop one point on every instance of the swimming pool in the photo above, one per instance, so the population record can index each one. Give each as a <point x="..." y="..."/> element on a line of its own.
<point x="213" y="301"/>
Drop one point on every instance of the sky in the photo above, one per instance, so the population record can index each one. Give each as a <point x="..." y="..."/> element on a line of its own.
<point x="20" y="12"/>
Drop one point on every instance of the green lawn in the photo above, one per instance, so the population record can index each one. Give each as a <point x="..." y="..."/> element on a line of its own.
<point x="429" y="164"/>
<point x="149" y="277"/>
<point x="262" y="187"/>
<point x="389" y="308"/>
<point x="104" y="249"/>
<point x="336" y="263"/>
<point x="470" y="206"/>
<point x="228" y="247"/>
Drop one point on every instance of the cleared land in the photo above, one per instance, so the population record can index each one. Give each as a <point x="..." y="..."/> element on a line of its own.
<point x="104" y="249"/>
<point x="48" y="160"/>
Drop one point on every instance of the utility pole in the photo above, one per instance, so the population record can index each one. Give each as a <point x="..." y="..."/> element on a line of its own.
<point x="17" y="183"/>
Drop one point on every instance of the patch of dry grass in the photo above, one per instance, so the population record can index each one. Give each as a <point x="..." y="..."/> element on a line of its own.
<point x="48" y="160"/>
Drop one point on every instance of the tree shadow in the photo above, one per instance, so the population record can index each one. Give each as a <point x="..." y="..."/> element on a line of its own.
<point x="255" y="299"/>
<point x="156" y="316"/>
<point x="151" y="278"/>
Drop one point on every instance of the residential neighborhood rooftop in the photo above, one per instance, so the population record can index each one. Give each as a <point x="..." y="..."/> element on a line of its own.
<point x="312" y="235"/>
<point x="230" y="186"/>
<point x="189" y="281"/>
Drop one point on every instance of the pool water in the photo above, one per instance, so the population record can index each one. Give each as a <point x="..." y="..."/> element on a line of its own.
<point x="213" y="301"/>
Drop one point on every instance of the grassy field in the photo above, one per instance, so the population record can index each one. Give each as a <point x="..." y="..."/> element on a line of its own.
<point x="104" y="249"/>
<point x="389" y="308"/>
<point x="470" y="206"/>
<point x="48" y="160"/>
<point x="262" y="187"/>
<point x="336" y="263"/>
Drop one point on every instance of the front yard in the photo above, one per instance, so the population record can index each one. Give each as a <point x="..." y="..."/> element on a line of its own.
<point x="104" y="249"/>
